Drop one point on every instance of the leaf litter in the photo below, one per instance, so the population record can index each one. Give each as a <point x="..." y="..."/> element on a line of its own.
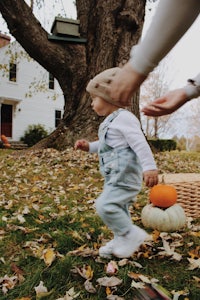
<point x="37" y="178"/>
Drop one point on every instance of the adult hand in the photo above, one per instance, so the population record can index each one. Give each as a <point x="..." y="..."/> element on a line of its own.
<point x="167" y="104"/>
<point x="124" y="84"/>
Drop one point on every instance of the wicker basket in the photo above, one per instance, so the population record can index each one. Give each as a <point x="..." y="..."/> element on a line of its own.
<point x="188" y="190"/>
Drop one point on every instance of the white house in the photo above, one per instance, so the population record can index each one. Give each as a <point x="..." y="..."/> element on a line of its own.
<point x="29" y="95"/>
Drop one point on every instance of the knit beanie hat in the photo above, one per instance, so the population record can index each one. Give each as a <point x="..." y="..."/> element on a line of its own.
<point x="100" y="83"/>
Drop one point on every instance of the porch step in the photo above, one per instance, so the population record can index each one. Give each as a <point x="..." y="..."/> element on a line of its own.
<point x="18" y="145"/>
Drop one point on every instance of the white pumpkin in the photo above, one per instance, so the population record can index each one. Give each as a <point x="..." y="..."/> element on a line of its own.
<point x="170" y="219"/>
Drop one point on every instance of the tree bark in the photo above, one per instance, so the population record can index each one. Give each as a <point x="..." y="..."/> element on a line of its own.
<point x="111" y="29"/>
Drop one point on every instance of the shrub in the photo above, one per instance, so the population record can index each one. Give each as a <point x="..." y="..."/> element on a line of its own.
<point x="34" y="134"/>
<point x="163" y="145"/>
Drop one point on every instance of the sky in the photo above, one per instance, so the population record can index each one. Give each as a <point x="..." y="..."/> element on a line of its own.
<point x="46" y="15"/>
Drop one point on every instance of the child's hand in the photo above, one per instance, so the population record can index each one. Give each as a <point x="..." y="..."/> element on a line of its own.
<point x="150" y="177"/>
<point x="82" y="145"/>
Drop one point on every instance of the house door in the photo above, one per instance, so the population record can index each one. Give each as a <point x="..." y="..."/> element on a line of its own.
<point x="6" y="120"/>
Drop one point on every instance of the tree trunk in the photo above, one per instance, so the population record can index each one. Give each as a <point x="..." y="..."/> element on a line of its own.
<point x="111" y="29"/>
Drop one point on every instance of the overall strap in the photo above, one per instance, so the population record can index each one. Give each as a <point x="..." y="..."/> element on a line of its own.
<point x="103" y="127"/>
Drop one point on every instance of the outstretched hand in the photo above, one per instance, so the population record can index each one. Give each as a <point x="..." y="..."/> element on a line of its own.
<point x="82" y="145"/>
<point x="167" y="104"/>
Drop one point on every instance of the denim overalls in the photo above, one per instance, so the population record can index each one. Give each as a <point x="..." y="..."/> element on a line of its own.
<point x="122" y="172"/>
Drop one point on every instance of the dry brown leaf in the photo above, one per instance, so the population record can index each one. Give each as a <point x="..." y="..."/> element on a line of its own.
<point x="194" y="263"/>
<point x="137" y="285"/>
<point x="85" y="272"/>
<point x="114" y="297"/>
<point x="111" y="268"/>
<point x="123" y="262"/>
<point x="169" y="251"/>
<point x="89" y="287"/>
<point x="84" y="251"/>
<point x="70" y="295"/>
<point x="7" y="283"/>
<point x="109" y="281"/>
<point x="41" y="291"/>
<point x="156" y="236"/>
<point x="49" y="256"/>
<point x="133" y="275"/>
<point x="197" y="279"/>
<point x="195" y="253"/>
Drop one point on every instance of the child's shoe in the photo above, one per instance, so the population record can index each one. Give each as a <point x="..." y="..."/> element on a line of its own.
<point x="125" y="245"/>
<point x="107" y="250"/>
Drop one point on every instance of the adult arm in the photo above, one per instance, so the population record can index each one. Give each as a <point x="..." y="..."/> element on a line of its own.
<point x="172" y="19"/>
<point x="170" y="102"/>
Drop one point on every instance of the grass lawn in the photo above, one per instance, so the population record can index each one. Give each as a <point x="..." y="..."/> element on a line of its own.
<point x="50" y="233"/>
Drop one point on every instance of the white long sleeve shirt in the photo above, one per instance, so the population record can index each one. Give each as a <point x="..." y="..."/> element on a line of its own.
<point x="124" y="131"/>
<point x="192" y="89"/>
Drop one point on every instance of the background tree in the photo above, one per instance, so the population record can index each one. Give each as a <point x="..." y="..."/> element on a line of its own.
<point x="154" y="87"/>
<point x="110" y="27"/>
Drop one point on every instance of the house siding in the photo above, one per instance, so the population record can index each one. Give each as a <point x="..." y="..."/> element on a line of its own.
<point x="40" y="107"/>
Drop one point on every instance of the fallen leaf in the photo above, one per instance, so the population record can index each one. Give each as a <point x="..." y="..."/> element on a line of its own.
<point x="109" y="281"/>
<point x="89" y="287"/>
<point x="114" y="297"/>
<point x="49" y="256"/>
<point x="156" y="236"/>
<point x="108" y="291"/>
<point x="7" y="283"/>
<point x="137" y="285"/>
<point x="40" y="288"/>
<point x="19" y="272"/>
<point x="195" y="253"/>
<point x="111" y="267"/>
<point x="133" y="275"/>
<point x="177" y="294"/>
<point x="136" y="264"/>
<point x="197" y="279"/>
<point x="194" y="263"/>
<point x="85" y="271"/>
<point x="70" y="295"/>
<point x="123" y="262"/>
<point x="169" y="251"/>
<point x="84" y="251"/>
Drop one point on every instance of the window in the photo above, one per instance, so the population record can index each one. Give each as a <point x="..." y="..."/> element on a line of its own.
<point x="57" y="117"/>
<point x="51" y="82"/>
<point x="13" y="72"/>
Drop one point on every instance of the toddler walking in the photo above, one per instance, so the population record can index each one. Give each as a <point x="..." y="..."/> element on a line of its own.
<point x="125" y="160"/>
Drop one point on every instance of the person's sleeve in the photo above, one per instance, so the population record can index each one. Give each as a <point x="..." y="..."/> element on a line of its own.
<point x="172" y="19"/>
<point x="131" y="130"/>
<point x="192" y="89"/>
<point x="93" y="146"/>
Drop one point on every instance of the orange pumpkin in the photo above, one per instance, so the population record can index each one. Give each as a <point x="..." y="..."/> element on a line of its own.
<point x="4" y="139"/>
<point x="7" y="145"/>
<point x="163" y="195"/>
